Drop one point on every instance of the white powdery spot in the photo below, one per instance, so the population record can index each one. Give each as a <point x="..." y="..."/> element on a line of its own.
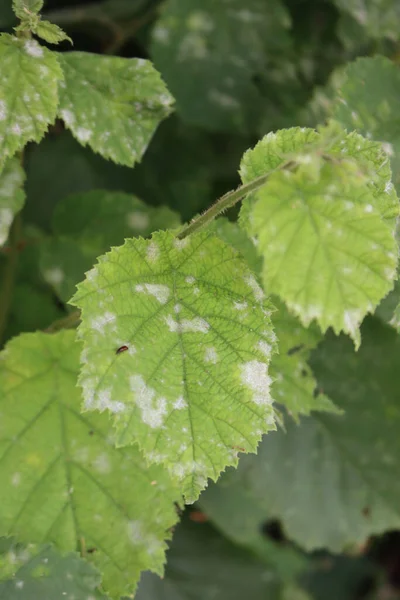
<point x="102" y="464"/>
<point x="33" y="48"/>
<point x="161" y="34"/>
<point x="16" y="479"/>
<point x="190" y="279"/>
<point x="255" y="377"/>
<point x="67" y="116"/>
<point x="368" y="208"/>
<point x="138" y="220"/>
<point x="180" y="403"/>
<point x="265" y="348"/>
<point x="196" y="324"/>
<point x="159" y="291"/>
<point x="180" y="244"/>
<point x="153" y="409"/>
<point x="153" y="252"/>
<point x="177" y="308"/>
<point x="54" y="276"/>
<point x="388" y="187"/>
<point x="240" y="305"/>
<point x="388" y="148"/>
<point x="211" y="355"/>
<point x="16" y="129"/>
<point x="3" y="110"/>
<point x="352" y="319"/>
<point x="139" y="537"/>
<point x="252" y="283"/>
<point x="222" y="99"/>
<point x="104" y="402"/>
<point x="100" y="322"/>
<point x="6" y="217"/>
<point x="19" y="584"/>
<point x="83" y="134"/>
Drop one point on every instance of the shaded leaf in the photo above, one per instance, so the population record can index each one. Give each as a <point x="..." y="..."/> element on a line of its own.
<point x="336" y="483"/>
<point x="12" y="195"/>
<point x="220" y="47"/>
<point x="29" y="80"/>
<point x="124" y="101"/>
<point x="63" y="481"/>
<point x="379" y="18"/>
<point x="201" y="392"/>
<point x="39" y="573"/>
<point x="368" y="102"/>
<point x="202" y="564"/>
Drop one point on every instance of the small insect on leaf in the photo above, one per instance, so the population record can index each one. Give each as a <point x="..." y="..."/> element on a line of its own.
<point x="295" y="349"/>
<point x="122" y="349"/>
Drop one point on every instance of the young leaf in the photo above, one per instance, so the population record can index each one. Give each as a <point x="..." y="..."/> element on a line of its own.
<point x="326" y="225"/>
<point x="327" y="252"/>
<point x="40" y="572"/>
<point x="28" y="93"/>
<point x="12" y="195"/>
<point x="22" y="8"/>
<point x="124" y="101"/>
<point x="63" y="481"/>
<point x="219" y="47"/>
<point x="372" y="108"/>
<point x="193" y="387"/>
<point x="50" y="32"/>
<point x="337" y="480"/>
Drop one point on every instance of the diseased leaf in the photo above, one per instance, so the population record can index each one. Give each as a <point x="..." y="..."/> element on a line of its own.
<point x="293" y="382"/>
<point x="100" y="219"/>
<point x="193" y="387"/>
<point x="63" y="481"/>
<point x="12" y="196"/>
<point x="219" y="47"/>
<point x="372" y="108"/>
<point x="325" y="227"/>
<point x="124" y="101"/>
<point x="39" y="573"/>
<point x="379" y="18"/>
<point x="202" y="564"/>
<point x="336" y="483"/>
<point x="29" y="80"/>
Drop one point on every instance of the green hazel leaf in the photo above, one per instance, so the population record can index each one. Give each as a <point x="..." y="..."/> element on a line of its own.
<point x="327" y="252"/>
<point x="22" y="8"/>
<point x="40" y="572"/>
<point x="29" y="80"/>
<point x="203" y="564"/>
<point x="63" y="480"/>
<point x="337" y="480"/>
<point x="50" y="32"/>
<point x="270" y="153"/>
<point x="101" y="219"/>
<point x="372" y="108"/>
<point x="293" y="383"/>
<point x="193" y="387"/>
<point x="125" y="99"/>
<point x="219" y="47"/>
<point x="12" y="196"/>
<point x="63" y="264"/>
<point x="378" y="18"/>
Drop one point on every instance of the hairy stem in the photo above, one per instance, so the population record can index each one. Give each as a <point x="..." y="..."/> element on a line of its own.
<point x="9" y="275"/>
<point x="229" y="200"/>
<point x="67" y="322"/>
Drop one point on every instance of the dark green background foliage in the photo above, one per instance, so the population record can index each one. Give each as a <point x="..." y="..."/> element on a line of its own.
<point x="237" y="69"/>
